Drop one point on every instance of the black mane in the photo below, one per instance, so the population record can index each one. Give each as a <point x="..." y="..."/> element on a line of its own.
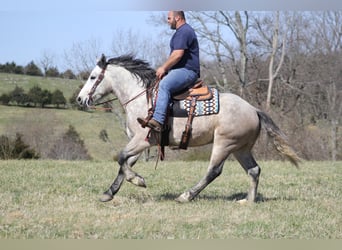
<point x="139" y="68"/>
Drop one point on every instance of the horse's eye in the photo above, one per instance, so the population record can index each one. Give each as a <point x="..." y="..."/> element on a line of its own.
<point x="92" y="77"/>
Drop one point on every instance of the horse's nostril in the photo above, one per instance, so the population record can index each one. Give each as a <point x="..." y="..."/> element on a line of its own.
<point x="79" y="99"/>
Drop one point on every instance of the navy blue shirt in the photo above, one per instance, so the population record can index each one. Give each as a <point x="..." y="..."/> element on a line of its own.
<point x="185" y="38"/>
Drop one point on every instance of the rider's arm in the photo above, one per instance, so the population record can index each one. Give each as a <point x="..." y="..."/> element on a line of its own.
<point x="174" y="57"/>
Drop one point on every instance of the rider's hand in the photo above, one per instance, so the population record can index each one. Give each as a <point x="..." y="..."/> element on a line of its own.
<point x="160" y="72"/>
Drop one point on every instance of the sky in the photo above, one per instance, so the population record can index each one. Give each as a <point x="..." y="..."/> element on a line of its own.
<point x="30" y="28"/>
<point x="27" y="35"/>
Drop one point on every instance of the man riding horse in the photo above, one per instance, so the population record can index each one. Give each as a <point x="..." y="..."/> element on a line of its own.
<point x="180" y="71"/>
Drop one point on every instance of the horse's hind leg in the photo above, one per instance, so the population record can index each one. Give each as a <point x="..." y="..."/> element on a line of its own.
<point x="218" y="157"/>
<point x="213" y="172"/>
<point x="249" y="164"/>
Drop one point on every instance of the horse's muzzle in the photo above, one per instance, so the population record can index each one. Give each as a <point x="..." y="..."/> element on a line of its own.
<point x="84" y="102"/>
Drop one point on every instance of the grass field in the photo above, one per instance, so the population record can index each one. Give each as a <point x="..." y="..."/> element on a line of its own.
<point x="39" y="122"/>
<point x="59" y="199"/>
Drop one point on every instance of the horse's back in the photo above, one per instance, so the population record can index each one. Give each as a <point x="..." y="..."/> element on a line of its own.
<point x="234" y="107"/>
<point x="236" y="115"/>
<point x="236" y="119"/>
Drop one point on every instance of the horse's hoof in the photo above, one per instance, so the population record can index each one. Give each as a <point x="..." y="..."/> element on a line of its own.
<point x="138" y="181"/>
<point x="183" y="198"/>
<point x="106" y="197"/>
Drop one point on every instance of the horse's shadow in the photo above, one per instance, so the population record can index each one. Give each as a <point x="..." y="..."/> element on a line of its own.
<point x="260" y="198"/>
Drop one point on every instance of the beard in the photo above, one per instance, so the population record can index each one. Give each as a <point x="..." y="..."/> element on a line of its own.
<point x="173" y="24"/>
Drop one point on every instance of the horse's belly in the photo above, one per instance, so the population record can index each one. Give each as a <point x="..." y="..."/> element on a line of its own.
<point x="202" y="132"/>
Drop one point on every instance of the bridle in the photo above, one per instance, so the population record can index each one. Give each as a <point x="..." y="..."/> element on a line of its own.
<point x="99" y="80"/>
<point x="97" y="83"/>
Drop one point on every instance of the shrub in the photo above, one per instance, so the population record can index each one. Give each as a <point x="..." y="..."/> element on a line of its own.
<point x="69" y="147"/>
<point x="15" y="149"/>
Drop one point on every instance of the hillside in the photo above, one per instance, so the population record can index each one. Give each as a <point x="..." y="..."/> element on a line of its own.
<point x="45" y="125"/>
<point x="51" y="123"/>
<point x="48" y="124"/>
<point x="9" y="81"/>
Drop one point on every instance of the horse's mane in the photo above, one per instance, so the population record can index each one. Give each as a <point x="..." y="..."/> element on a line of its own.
<point x="139" y="68"/>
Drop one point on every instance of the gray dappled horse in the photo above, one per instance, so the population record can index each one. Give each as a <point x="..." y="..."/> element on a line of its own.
<point x="233" y="130"/>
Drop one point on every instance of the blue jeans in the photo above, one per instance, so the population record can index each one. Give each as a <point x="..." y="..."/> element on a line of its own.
<point x="175" y="81"/>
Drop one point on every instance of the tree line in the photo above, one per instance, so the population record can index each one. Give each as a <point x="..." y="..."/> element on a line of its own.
<point x="36" y="96"/>
<point x="33" y="70"/>
<point x="285" y="62"/>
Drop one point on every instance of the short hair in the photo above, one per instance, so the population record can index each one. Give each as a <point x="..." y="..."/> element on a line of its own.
<point x="179" y="13"/>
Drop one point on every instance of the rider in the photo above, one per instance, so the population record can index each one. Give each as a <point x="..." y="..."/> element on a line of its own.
<point x="180" y="71"/>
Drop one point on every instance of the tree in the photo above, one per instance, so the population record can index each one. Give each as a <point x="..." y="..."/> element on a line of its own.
<point x="58" y="98"/>
<point x="46" y="98"/>
<point x="5" y="99"/>
<point x="18" y="95"/>
<point x="68" y="74"/>
<point x="224" y="34"/>
<point x="33" y="70"/>
<point x="70" y="147"/>
<point x="46" y="62"/>
<point x="141" y="46"/>
<point x="82" y="56"/>
<point x="37" y="95"/>
<point x="328" y="34"/>
<point x="268" y="30"/>
<point x="16" y="149"/>
<point x="52" y="72"/>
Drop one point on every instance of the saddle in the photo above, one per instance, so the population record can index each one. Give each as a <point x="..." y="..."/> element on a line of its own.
<point x="199" y="92"/>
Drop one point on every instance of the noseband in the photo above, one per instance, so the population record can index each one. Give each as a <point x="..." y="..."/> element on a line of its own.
<point x="97" y="83"/>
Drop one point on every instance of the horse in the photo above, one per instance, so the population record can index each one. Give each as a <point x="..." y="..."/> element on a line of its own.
<point x="233" y="130"/>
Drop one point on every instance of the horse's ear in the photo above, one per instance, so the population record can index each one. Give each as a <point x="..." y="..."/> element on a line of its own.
<point x="102" y="62"/>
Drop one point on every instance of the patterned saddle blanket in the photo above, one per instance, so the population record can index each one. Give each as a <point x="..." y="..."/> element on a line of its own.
<point x="181" y="108"/>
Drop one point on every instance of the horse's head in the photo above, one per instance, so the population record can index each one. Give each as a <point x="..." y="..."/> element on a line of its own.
<point x="94" y="88"/>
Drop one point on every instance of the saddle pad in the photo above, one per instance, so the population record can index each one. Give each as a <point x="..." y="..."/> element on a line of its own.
<point x="206" y="107"/>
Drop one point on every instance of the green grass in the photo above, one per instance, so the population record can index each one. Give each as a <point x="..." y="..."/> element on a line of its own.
<point x="59" y="199"/>
<point x="35" y="121"/>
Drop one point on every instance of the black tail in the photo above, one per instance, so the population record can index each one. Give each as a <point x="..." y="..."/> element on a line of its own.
<point x="279" y="138"/>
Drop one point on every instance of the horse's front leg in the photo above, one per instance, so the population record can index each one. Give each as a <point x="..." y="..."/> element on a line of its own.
<point x="131" y="176"/>
<point x="125" y="172"/>
<point x="127" y="158"/>
<point x="114" y="188"/>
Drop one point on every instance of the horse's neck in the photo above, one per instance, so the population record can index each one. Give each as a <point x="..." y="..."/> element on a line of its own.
<point x="127" y="88"/>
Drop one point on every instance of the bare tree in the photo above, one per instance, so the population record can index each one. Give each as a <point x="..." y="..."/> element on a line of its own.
<point x="141" y="46"/>
<point x="268" y="30"/>
<point x="328" y="34"/>
<point x="47" y="61"/>
<point x="327" y="30"/>
<point x="224" y="37"/>
<point x="81" y="57"/>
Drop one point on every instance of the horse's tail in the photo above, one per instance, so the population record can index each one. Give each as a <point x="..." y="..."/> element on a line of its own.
<point x="279" y="138"/>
